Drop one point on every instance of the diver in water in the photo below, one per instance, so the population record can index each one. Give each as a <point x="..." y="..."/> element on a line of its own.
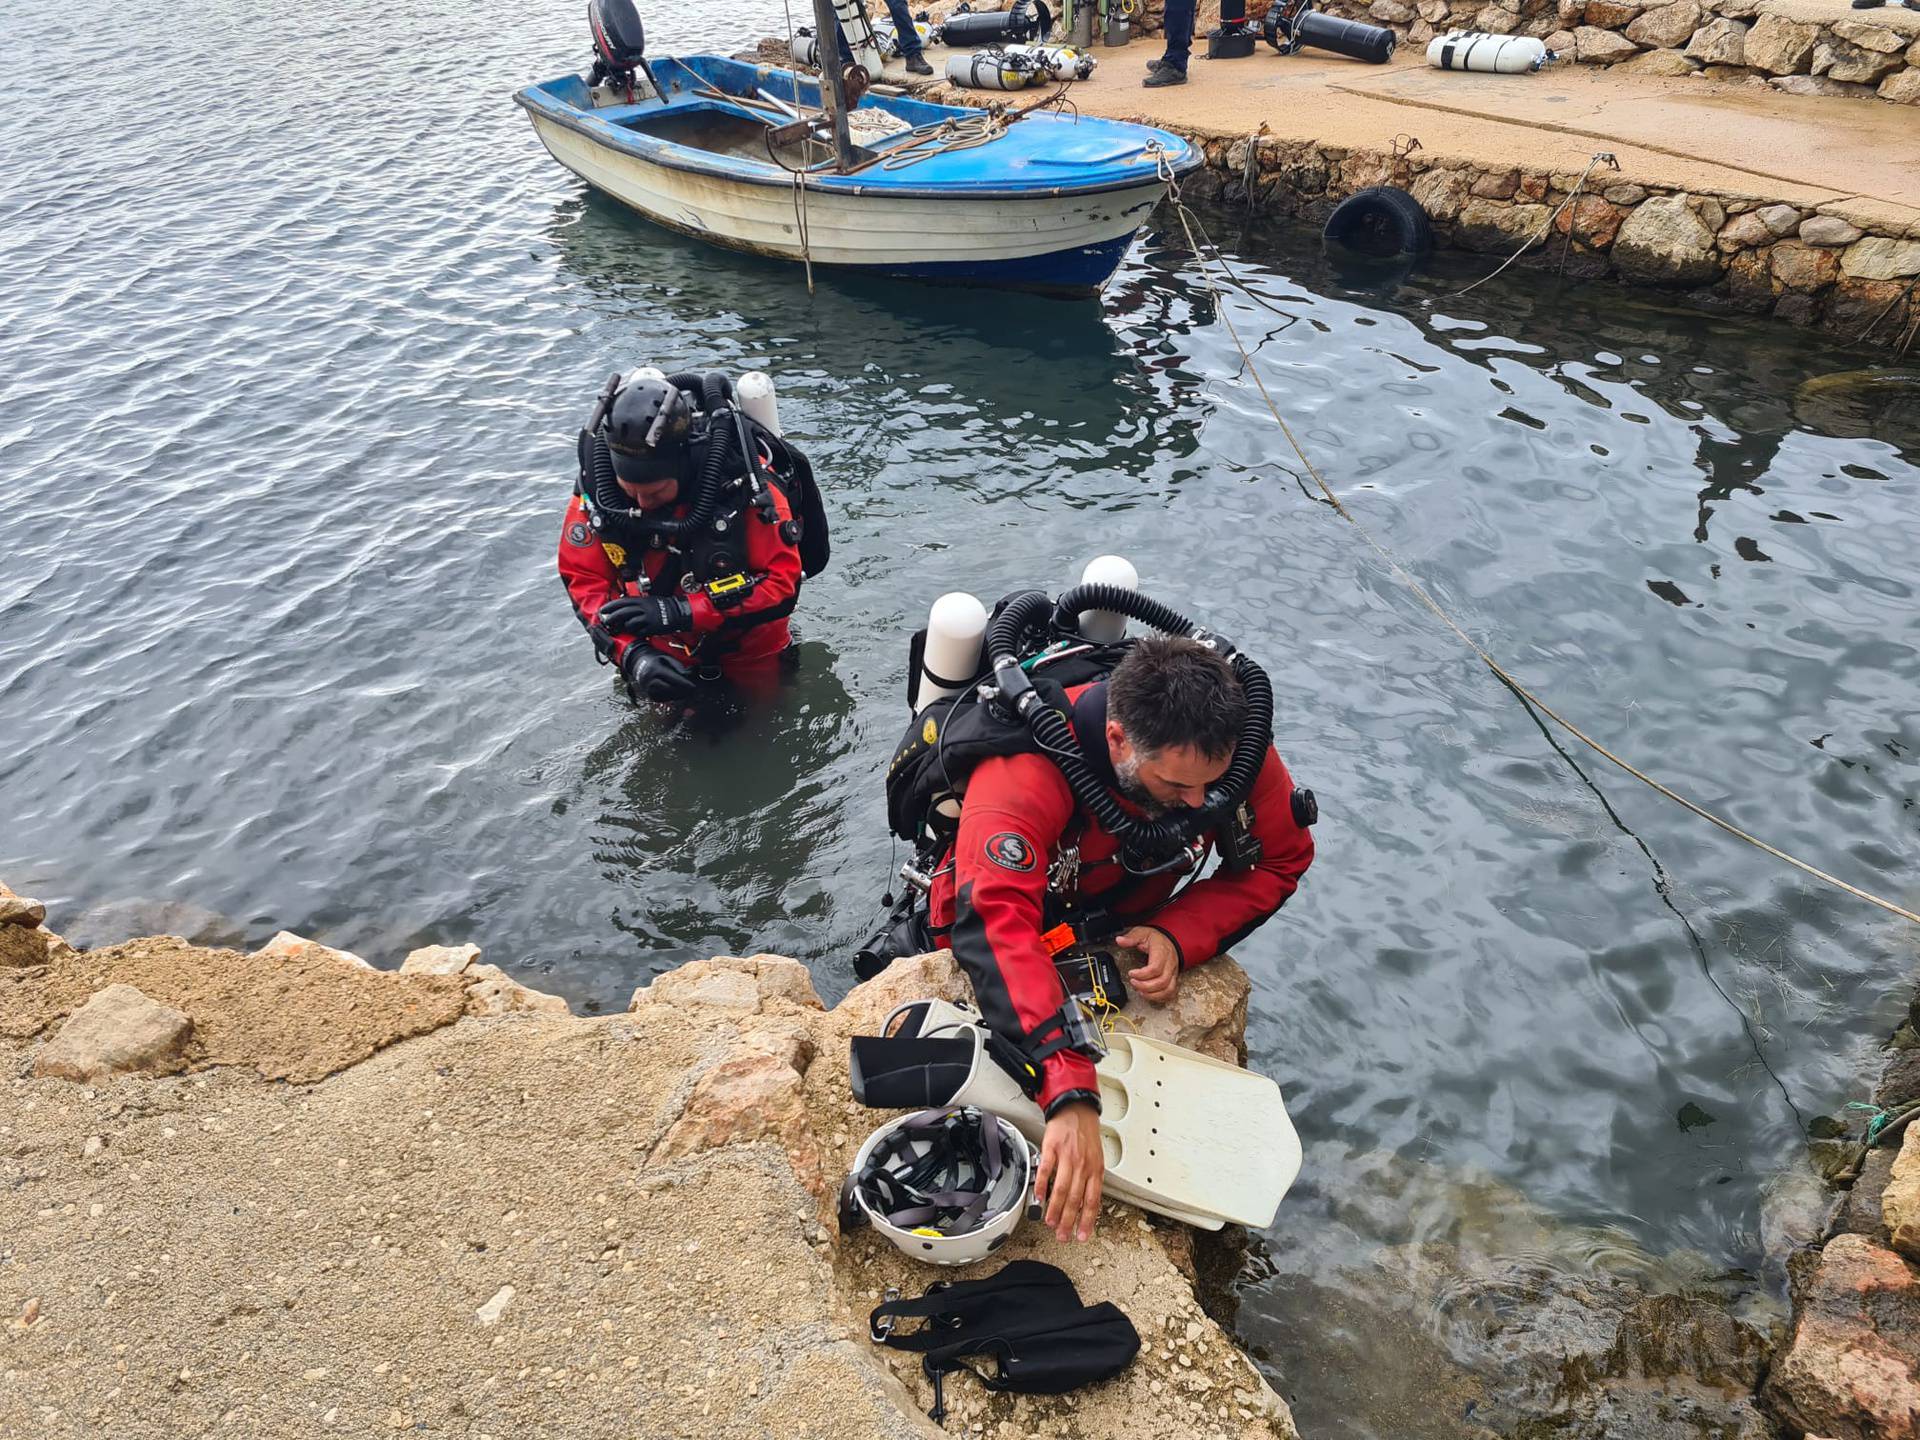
<point x="691" y="529"/>
<point x="1074" y="808"/>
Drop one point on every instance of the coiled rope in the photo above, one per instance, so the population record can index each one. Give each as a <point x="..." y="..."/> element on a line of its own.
<point x="1163" y="162"/>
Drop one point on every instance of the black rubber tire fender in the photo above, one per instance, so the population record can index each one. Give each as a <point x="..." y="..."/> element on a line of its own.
<point x="1382" y="222"/>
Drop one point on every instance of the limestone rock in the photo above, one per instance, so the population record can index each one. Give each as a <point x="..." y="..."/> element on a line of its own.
<point x="1667" y="27"/>
<point x="298" y="946"/>
<point x="1433" y="11"/>
<point x="1419" y="33"/>
<point x="1496" y="186"/>
<point x="1879" y="258"/>
<point x="1496" y="20"/>
<point x="1844" y="61"/>
<point x="1735" y="9"/>
<point x="1664" y="242"/>
<point x="1902" y="88"/>
<point x="1780" y="219"/>
<point x="1208" y="1011"/>
<point x="1569" y="12"/>
<point x="1488" y="225"/>
<point x="746" y="1099"/>
<point x="1780" y="46"/>
<point x="1796" y="307"/>
<point x="1913" y="54"/>
<point x="1900" y="1201"/>
<point x="1868" y="36"/>
<point x="491" y="991"/>
<point x="19" y="910"/>
<point x="117" y="1032"/>
<point x="1849" y="1370"/>
<point x="439" y="959"/>
<point x="1591" y="221"/>
<point x="1828" y="230"/>
<point x="1817" y="85"/>
<point x="1745" y="231"/>
<point x="1720" y="42"/>
<point x="1711" y="212"/>
<point x="1612" y="14"/>
<point x="1441" y="193"/>
<point x="1390" y="12"/>
<point x="730" y="982"/>
<point x="1803" y="267"/>
<point x="915" y="977"/>
<point x="1661" y="62"/>
<point x="1625" y="194"/>
<point x="1594" y="46"/>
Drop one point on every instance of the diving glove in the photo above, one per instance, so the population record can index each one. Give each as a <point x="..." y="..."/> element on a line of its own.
<point x="646" y="615"/>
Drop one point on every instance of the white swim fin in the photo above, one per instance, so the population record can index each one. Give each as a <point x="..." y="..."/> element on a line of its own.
<point x="1185" y="1135"/>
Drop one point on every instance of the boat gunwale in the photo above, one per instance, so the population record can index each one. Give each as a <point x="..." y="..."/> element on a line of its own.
<point x="671" y="155"/>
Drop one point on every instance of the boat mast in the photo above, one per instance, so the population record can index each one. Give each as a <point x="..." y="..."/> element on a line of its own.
<point x="833" y="85"/>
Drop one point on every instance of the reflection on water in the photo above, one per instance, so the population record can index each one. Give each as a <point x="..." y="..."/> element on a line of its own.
<point x="281" y="643"/>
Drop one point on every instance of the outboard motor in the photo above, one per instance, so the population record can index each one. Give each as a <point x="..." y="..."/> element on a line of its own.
<point x="619" y="45"/>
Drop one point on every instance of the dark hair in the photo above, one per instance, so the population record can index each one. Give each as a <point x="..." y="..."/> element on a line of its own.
<point x="1173" y="691"/>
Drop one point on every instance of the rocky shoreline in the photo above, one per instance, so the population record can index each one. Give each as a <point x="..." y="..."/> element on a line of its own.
<point x="286" y="1192"/>
<point x="284" y="1188"/>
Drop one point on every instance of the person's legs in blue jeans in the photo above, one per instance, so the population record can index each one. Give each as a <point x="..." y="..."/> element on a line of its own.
<point x="1178" y="21"/>
<point x="910" y="48"/>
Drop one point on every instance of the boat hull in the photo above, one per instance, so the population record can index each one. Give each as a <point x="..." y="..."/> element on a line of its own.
<point x="1057" y="243"/>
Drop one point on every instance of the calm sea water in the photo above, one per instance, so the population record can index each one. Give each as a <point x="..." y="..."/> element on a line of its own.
<point x="300" y="323"/>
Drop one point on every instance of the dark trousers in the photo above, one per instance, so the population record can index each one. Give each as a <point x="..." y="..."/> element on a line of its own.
<point x="910" y="38"/>
<point x="1178" y="20"/>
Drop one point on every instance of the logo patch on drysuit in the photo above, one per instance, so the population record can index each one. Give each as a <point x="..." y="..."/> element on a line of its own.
<point x="578" y="534"/>
<point x="1010" y="851"/>
<point x="930" y="732"/>
<point x="616" y="553"/>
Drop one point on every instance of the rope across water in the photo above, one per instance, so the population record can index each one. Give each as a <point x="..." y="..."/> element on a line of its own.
<point x="1420" y="592"/>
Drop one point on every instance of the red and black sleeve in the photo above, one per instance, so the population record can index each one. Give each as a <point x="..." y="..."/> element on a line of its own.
<point x="590" y="577"/>
<point x="1218" y="912"/>
<point x="1015" y="811"/>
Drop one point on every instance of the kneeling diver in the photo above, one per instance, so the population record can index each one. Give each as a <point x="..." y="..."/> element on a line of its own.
<point x="1065" y="793"/>
<point x="692" y="526"/>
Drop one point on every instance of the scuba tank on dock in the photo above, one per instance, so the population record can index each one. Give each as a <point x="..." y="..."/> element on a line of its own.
<point x="1490" y="54"/>
<point x="1289" y="27"/>
<point x="1025" y="20"/>
<point x="992" y="70"/>
<point x="1060" y="62"/>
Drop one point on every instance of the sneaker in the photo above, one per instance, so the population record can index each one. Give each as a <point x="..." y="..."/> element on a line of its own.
<point x="917" y="65"/>
<point x="1165" y="75"/>
<point x="1156" y="64"/>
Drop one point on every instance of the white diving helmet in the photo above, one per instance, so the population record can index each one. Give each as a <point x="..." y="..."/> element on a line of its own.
<point x="946" y="1186"/>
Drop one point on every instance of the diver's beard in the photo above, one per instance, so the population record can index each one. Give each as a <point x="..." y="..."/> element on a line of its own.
<point x="1127" y="772"/>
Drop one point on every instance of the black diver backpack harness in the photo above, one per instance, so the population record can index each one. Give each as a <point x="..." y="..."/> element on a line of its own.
<point x="739" y="464"/>
<point x="1017" y="704"/>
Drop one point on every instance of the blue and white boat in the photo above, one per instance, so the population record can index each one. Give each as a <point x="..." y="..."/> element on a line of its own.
<point x="707" y="147"/>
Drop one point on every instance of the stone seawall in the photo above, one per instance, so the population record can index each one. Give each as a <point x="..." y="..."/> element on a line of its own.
<point x="1849" y="268"/>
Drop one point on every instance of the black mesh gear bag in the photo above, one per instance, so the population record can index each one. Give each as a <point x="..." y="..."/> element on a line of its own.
<point x="1023" y="1326"/>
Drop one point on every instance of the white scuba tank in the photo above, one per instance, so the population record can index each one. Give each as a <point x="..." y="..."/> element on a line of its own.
<point x="956" y="629"/>
<point x="991" y="70"/>
<point x="889" y="37"/>
<point x="754" y="392"/>
<point x="1494" y="54"/>
<point x="1106" y="627"/>
<point x="858" y="29"/>
<point x="1062" y="62"/>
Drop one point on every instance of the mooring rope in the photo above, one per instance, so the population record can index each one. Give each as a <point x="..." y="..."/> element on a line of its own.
<point x="1407" y="578"/>
<point x="1547" y="224"/>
